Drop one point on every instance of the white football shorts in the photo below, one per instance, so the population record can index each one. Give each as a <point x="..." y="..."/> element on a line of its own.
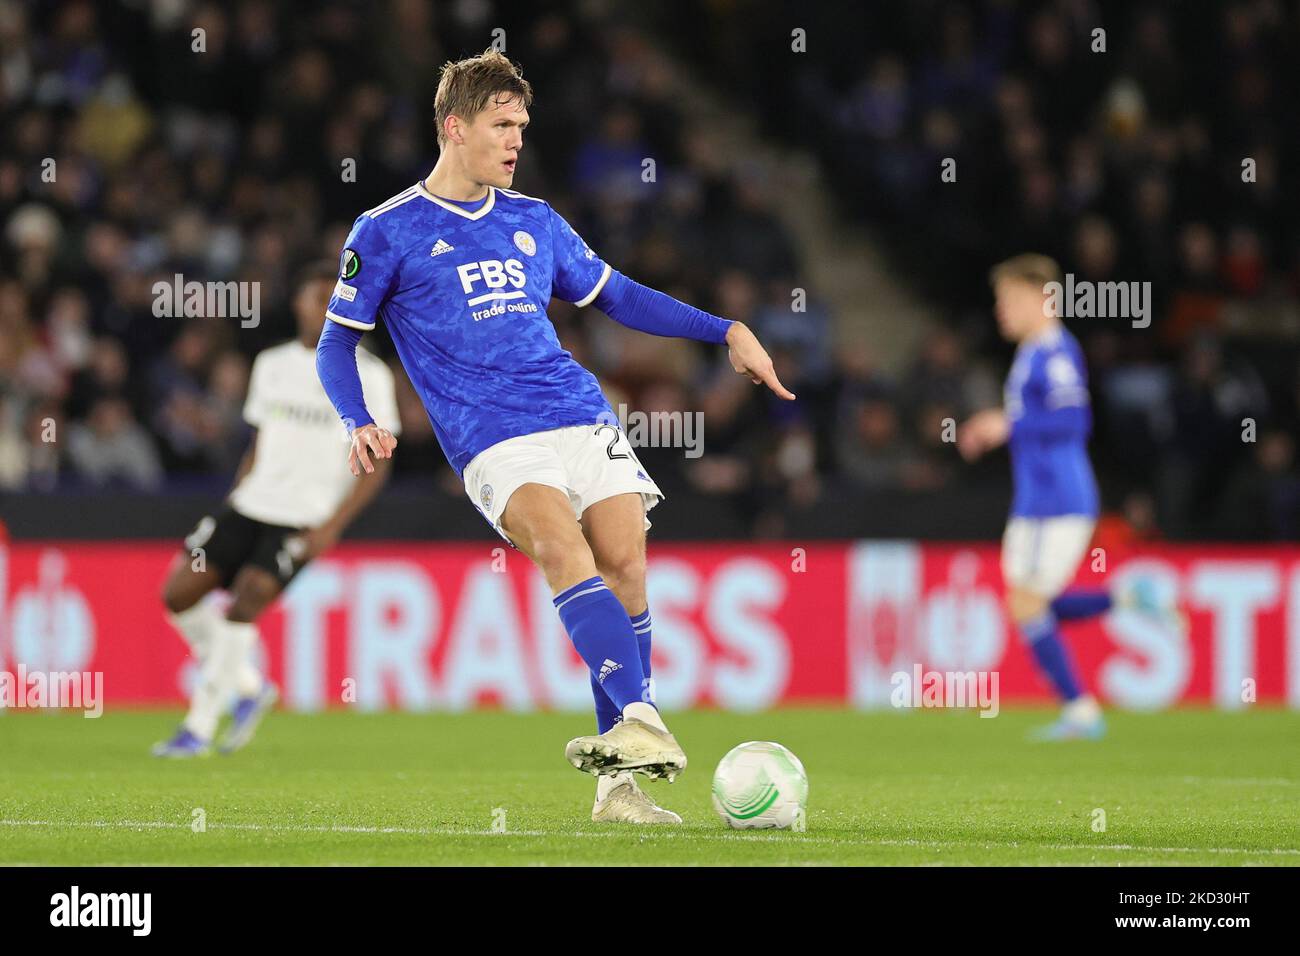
<point x="589" y="463"/>
<point x="1041" y="555"/>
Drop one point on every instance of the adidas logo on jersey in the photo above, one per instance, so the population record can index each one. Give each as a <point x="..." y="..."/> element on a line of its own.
<point x="441" y="246"/>
<point x="606" y="669"/>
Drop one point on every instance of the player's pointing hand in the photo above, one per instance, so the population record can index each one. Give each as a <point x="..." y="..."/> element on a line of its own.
<point x="366" y="440"/>
<point x="748" y="357"/>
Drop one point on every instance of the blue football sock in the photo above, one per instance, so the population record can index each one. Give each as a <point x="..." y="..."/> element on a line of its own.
<point x="1079" y="603"/>
<point x="602" y="634"/>
<point x="641" y="624"/>
<point x="1052" y="656"/>
<point x="607" y="715"/>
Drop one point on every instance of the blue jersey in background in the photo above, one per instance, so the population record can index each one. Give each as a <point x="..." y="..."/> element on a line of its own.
<point x="1046" y="402"/>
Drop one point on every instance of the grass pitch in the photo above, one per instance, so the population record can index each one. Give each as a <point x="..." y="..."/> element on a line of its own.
<point x="1188" y="787"/>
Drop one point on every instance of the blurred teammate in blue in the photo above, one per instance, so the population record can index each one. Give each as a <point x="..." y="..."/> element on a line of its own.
<point x="461" y="269"/>
<point x="1045" y="421"/>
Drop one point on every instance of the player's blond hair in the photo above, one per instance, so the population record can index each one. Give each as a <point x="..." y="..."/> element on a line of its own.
<point x="466" y="87"/>
<point x="1028" y="267"/>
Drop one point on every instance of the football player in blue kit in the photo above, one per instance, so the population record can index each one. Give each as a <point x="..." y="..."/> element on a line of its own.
<point x="1045" y="421"/>
<point x="461" y="268"/>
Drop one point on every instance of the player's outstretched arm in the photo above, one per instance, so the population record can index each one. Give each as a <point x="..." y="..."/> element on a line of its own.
<point x="748" y="357"/>
<point x="245" y="463"/>
<point x="647" y="310"/>
<point x="325" y="535"/>
<point x="983" y="432"/>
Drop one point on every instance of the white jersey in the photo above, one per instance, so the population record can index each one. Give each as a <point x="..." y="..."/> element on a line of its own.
<point x="300" y="468"/>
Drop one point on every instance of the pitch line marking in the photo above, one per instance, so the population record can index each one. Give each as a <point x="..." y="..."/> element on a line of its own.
<point x="755" y="837"/>
<point x="1243" y="781"/>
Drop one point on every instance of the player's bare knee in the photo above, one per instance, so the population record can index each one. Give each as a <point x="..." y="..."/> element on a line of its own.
<point x="1015" y="607"/>
<point x="250" y="595"/>
<point x="180" y="592"/>
<point x="1024" y="605"/>
<point x="545" y="550"/>
<point x="175" y="600"/>
<point x="560" y="553"/>
<point x="246" y="609"/>
<point x="625" y="575"/>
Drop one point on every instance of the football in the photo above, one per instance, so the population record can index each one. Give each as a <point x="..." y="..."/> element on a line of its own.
<point x="760" y="785"/>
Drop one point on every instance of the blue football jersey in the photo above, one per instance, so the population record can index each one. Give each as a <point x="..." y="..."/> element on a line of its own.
<point x="1047" y="405"/>
<point x="463" y="291"/>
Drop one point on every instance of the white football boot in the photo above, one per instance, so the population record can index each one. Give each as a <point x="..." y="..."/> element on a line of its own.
<point x="630" y="744"/>
<point x="627" y="803"/>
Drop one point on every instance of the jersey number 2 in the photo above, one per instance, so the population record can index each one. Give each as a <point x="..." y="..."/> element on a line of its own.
<point x="609" y="449"/>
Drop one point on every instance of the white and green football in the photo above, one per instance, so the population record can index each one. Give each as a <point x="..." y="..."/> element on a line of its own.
<point x="760" y="785"/>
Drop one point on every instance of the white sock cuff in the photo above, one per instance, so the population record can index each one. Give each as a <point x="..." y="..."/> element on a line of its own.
<point x="607" y="782"/>
<point x="645" y="712"/>
<point x="197" y="625"/>
<point x="242" y="631"/>
<point x="197" y="615"/>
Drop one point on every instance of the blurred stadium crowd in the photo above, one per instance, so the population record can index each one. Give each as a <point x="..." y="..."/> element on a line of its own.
<point x="1126" y="165"/>
<point x="227" y="164"/>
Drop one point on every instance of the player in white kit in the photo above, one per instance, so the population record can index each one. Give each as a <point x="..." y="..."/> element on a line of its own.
<point x="293" y="498"/>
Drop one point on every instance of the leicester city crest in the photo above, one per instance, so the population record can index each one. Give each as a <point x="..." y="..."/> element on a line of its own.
<point x="485" y="496"/>
<point x="525" y="243"/>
